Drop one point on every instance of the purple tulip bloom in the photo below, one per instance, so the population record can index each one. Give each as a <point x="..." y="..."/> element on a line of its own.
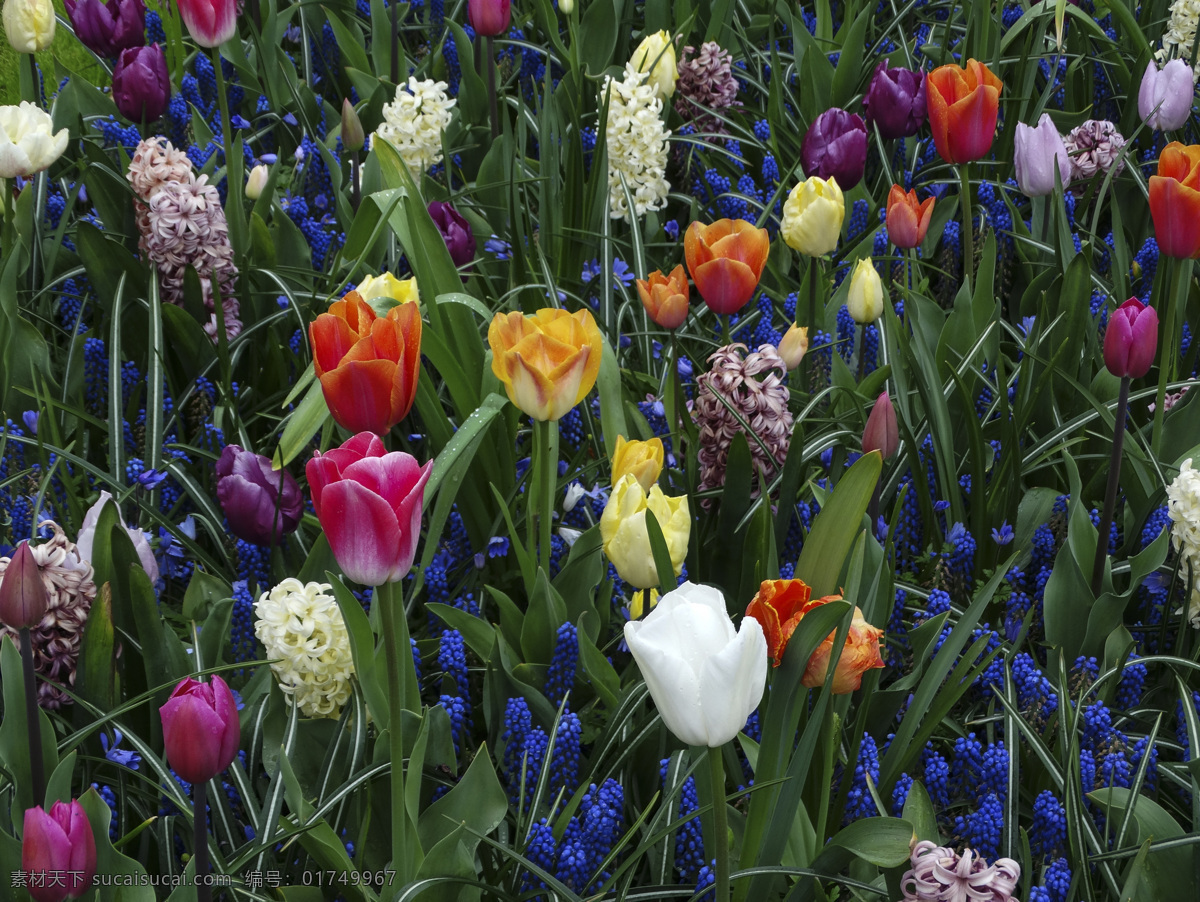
<point x="261" y="503"/>
<point x="1131" y="340"/>
<point x="107" y="29"/>
<point x="141" y="83"/>
<point x="895" y="102"/>
<point x="456" y="231"/>
<point x="835" y="147"/>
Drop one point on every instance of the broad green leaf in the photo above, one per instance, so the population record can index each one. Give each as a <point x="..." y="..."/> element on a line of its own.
<point x="837" y="524"/>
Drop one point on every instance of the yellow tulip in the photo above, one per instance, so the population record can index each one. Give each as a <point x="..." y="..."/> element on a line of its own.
<point x="388" y="286"/>
<point x="548" y="362"/>
<point x="626" y="540"/>
<point x="656" y="55"/>
<point x="638" y="605"/>
<point x="865" y="299"/>
<point x="29" y="24"/>
<point x="812" y="216"/>
<point x="644" y="460"/>
<point x="794" y="345"/>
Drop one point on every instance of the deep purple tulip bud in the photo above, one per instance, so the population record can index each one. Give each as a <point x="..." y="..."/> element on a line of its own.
<point x="1131" y="340"/>
<point x="200" y="729"/>
<point x="58" y="852"/>
<point x="895" y="101"/>
<point x="455" y="230"/>
<point x="835" y="147"/>
<point x="489" y="17"/>
<point x="107" y="29"/>
<point x="261" y="503"/>
<point x="1037" y="153"/>
<point x="141" y="83"/>
<point x="1165" y="97"/>
<point x="882" y="434"/>
<point x="23" y="599"/>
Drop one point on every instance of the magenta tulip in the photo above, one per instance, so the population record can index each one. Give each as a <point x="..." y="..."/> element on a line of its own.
<point x="23" y="598"/>
<point x="881" y="434"/>
<point x="1131" y="340"/>
<point x="200" y="729"/>
<point x="58" y="852"/>
<point x="489" y="17"/>
<point x="369" y="503"/>
<point x="210" y="22"/>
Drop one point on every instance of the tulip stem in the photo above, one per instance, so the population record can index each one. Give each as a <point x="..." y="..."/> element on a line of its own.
<point x="395" y="44"/>
<point x="386" y="599"/>
<point x="1110" y="495"/>
<point x="37" y="773"/>
<point x="716" y="772"/>
<point x="200" y="839"/>
<point x="968" y="225"/>
<point x="862" y="351"/>
<point x="814" y="273"/>
<point x="545" y="463"/>
<point x="1176" y="301"/>
<point x="355" y="188"/>
<point x="223" y="101"/>
<point x="493" y="105"/>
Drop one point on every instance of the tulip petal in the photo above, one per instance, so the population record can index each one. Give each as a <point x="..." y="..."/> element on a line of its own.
<point x="192" y="735"/>
<point x="972" y="124"/>
<point x="359" y="395"/>
<point x="1175" y="209"/>
<point x="672" y="683"/>
<point x="226" y="708"/>
<point x="732" y="683"/>
<point x="363" y="532"/>
<point x="726" y="285"/>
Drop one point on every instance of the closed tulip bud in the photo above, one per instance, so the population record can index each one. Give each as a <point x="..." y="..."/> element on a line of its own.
<point x="895" y="101"/>
<point x="256" y="183"/>
<point x="210" y="22"/>
<point x="23" y="598"/>
<point x="489" y="17"/>
<point x="1165" y="97"/>
<point x="141" y="84"/>
<point x="907" y="218"/>
<point x="1175" y="201"/>
<point x="388" y="286"/>
<point x="58" y="852"/>
<point x="201" y="732"/>
<point x="456" y="232"/>
<point x="548" y="362"/>
<point x="835" y="147"/>
<point x="726" y="260"/>
<point x="352" y="130"/>
<point x="1130" y="341"/>
<point x="566" y="7"/>
<point x="642" y="460"/>
<point x="108" y="28"/>
<point x="705" y="677"/>
<point x="964" y="105"/>
<point x="656" y="55"/>
<point x="812" y="216"/>
<point x="29" y="24"/>
<point x="626" y="540"/>
<point x="262" y="504"/>
<point x="882" y="433"/>
<point x="1039" y="152"/>
<point x="665" y="297"/>
<point x="865" y="300"/>
<point x="794" y="345"/>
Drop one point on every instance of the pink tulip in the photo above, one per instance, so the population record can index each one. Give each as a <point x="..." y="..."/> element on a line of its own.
<point x="200" y="729"/>
<point x="210" y="22"/>
<point x="1131" y="340"/>
<point x="882" y="434"/>
<point x="369" y="503"/>
<point x="23" y="598"/>
<point x="489" y="17"/>
<point x="58" y="852"/>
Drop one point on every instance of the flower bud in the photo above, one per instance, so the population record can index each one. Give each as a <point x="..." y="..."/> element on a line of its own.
<point x="656" y="55"/>
<point x="58" y="852"/>
<point x="489" y="17"/>
<point x="456" y="232"/>
<point x="642" y="460"/>
<point x="882" y="434"/>
<point x="1038" y="151"/>
<point x="794" y="345"/>
<point x="352" y="130"/>
<point x="835" y="147"/>
<point x="200" y="729"/>
<point x="23" y="599"/>
<point x="865" y="300"/>
<point x="108" y="28"/>
<point x="907" y="218"/>
<point x="1165" y="97"/>
<point x="566" y="7"/>
<point x="257" y="181"/>
<point x="812" y="216"/>
<point x="1131" y="340"/>
<point x="665" y="297"/>
<point x="141" y="84"/>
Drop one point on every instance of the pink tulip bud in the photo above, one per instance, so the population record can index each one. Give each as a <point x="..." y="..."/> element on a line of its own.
<point x="489" y="17"/>
<point x="210" y="22"/>
<point x="882" y="434"/>
<point x="1131" y="340"/>
<point x="58" y="852"/>
<point x="23" y="599"/>
<point x="1039" y="151"/>
<point x="1165" y="96"/>
<point x="200" y="729"/>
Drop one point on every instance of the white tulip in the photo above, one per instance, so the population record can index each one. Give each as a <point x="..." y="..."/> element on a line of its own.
<point x="705" y="677"/>
<point x="27" y="140"/>
<point x="140" y="538"/>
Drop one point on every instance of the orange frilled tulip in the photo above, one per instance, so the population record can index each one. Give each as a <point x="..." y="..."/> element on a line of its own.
<point x="1175" y="201"/>
<point x="963" y="107"/>
<point x="726" y="260"/>
<point x="907" y="218"/>
<point x="548" y="362"/>
<point x="665" y="297"/>
<point x="778" y="606"/>
<point x="860" y="654"/>
<point x="368" y="365"/>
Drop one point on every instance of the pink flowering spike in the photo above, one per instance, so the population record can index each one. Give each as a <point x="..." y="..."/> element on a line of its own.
<point x="201" y="732"/>
<point x="1131" y="340"/>
<point x="882" y="434"/>
<point x="60" y="842"/>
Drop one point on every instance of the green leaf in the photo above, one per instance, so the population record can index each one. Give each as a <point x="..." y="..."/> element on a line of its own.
<point x="95" y="672"/>
<point x="477" y="801"/>
<point x="919" y="811"/>
<point x="545" y="615"/>
<point x="612" y="411"/>
<point x="835" y="527"/>
<point x="479" y="635"/>
<point x="362" y="649"/>
<point x="111" y="862"/>
<point x="1162" y="869"/>
<point x="662" y="556"/>
<point x="598" y="34"/>
<point x="302" y="424"/>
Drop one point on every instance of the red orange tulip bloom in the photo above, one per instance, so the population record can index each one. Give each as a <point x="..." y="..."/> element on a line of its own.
<point x="1175" y="201"/>
<point x="548" y="362"/>
<point x="726" y="260"/>
<point x="778" y="606"/>
<point x="368" y="365"/>
<point x="907" y="218"/>
<point x="665" y="297"/>
<point x="963" y="107"/>
<point x="860" y="654"/>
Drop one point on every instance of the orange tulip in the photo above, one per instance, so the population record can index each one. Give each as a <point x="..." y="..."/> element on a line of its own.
<point x="860" y="654"/>
<point x="665" y="297"/>
<point x="368" y="365"/>
<point x="907" y="218"/>
<point x="963" y="107"/>
<point x="1175" y="201"/>
<point x="547" y="362"/>
<point x="778" y="606"/>
<point x="726" y="260"/>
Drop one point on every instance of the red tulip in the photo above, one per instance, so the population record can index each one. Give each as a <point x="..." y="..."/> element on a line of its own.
<point x="200" y="729"/>
<point x="58" y="852"/>
<point x="210" y="22"/>
<point x="882" y="434"/>
<point x="1131" y="340"/>
<point x="369" y="503"/>
<point x="1175" y="201"/>
<point x="726" y="260"/>
<point x="907" y="218"/>
<point x="23" y="599"/>
<point x="963" y="107"/>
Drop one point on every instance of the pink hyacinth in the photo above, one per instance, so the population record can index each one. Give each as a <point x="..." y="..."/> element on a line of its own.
<point x="706" y="82"/>
<point x="942" y="875"/>
<point x="1094" y="147"/>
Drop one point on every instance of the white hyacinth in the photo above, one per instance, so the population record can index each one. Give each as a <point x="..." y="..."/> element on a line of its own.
<point x="302" y="627"/>
<point x="1183" y="506"/>
<point x="413" y="123"/>
<point x="1181" y="31"/>
<point x="637" y="146"/>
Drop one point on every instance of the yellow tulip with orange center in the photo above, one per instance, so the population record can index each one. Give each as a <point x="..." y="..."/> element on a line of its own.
<point x="642" y="460"/>
<point x="548" y="362"/>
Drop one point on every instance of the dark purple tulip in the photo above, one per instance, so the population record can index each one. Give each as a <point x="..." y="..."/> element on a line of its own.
<point x="455" y="230"/>
<point x="895" y="101"/>
<point x="262" y="504"/>
<point x="141" y="84"/>
<point x="835" y="147"/>
<point x="107" y="29"/>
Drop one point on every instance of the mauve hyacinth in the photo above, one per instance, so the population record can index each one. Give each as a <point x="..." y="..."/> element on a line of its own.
<point x="835" y="146"/>
<point x="943" y="875"/>
<point x="108" y="28"/>
<point x="1094" y="147"/>
<point x="706" y="82"/>
<point x="56" y="639"/>
<point x="456" y="232"/>
<point x="895" y="101"/>
<point x="753" y="386"/>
